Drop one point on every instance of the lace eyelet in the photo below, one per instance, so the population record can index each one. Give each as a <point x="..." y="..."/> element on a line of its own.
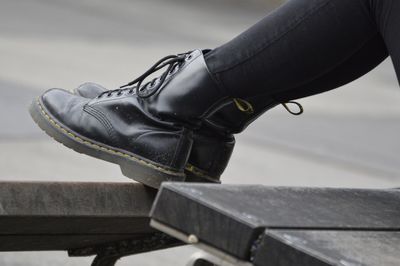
<point x="130" y="91"/>
<point x="109" y="95"/>
<point x="174" y="70"/>
<point x="119" y="93"/>
<point x="172" y="62"/>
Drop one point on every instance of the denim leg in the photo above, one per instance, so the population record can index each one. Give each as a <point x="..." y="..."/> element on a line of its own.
<point x="367" y="58"/>
<point x="387" y="16"/>
<point x="297" y="44"/>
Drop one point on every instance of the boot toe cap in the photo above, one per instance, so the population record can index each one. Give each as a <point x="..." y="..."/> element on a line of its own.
<point x="64" y="106"/>
<point x="60" y="102"/>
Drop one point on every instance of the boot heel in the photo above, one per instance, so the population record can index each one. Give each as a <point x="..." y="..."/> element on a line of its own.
<point x="147" y="176"/>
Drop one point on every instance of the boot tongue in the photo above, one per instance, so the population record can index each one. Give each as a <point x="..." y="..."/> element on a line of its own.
<point x="170" y="63"/>
<point x="89" y="90"/>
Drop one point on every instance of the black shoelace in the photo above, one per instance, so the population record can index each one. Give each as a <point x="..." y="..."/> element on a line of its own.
<point x="172" y="62"/>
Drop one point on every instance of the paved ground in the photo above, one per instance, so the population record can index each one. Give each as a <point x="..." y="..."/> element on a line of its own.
<point x="346" y="138"/>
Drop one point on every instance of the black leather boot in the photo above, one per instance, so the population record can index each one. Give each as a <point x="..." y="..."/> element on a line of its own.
<point x="145" y="128"/>
<point x="210" y="152"/>
<point x="213" y="144"/>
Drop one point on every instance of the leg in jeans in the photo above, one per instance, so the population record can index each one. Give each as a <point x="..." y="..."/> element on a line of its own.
<point x="300" y="49"/>
<point x="366" y="59"/>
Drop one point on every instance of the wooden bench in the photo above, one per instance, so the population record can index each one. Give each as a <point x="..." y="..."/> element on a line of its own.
<point x="109" y="220"/>
<point x="265" y="226"/>
<point x="235" y="225"/>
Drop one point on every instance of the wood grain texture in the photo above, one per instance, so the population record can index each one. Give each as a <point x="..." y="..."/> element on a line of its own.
<point x="320" y="248"/>
<point x="232" y="217"/>
<point x="61" y="216"/>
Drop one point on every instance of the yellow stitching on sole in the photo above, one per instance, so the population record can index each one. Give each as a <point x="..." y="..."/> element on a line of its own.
<point x="98" y="147"/>
<point x="191" y="168"/>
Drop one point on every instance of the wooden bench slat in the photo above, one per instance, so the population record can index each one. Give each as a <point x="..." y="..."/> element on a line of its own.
<point x="320" y="247"/>
<point x="62" y="216"/>
<point x="230" y="218"/>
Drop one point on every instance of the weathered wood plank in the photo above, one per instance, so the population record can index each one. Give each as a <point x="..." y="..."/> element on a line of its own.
<point x="75" y="199"/>
<point x="61" y="216"/>
<point x="318" y="248"/>
<point x="231" y="217"/>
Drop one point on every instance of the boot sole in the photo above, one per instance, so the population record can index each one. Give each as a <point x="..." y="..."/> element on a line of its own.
<point x="133" y="166"/>
<point x="196" y="175"/>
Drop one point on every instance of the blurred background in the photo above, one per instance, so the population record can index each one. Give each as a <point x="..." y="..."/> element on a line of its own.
<point x="346" y="138"/>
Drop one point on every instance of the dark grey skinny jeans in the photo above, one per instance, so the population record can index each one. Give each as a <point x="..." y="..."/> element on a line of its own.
<point x="307" y="47"/>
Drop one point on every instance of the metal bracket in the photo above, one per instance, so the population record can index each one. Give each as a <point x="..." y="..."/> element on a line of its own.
<point x="214" y="256"/>
<point x="108" y="254"/>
